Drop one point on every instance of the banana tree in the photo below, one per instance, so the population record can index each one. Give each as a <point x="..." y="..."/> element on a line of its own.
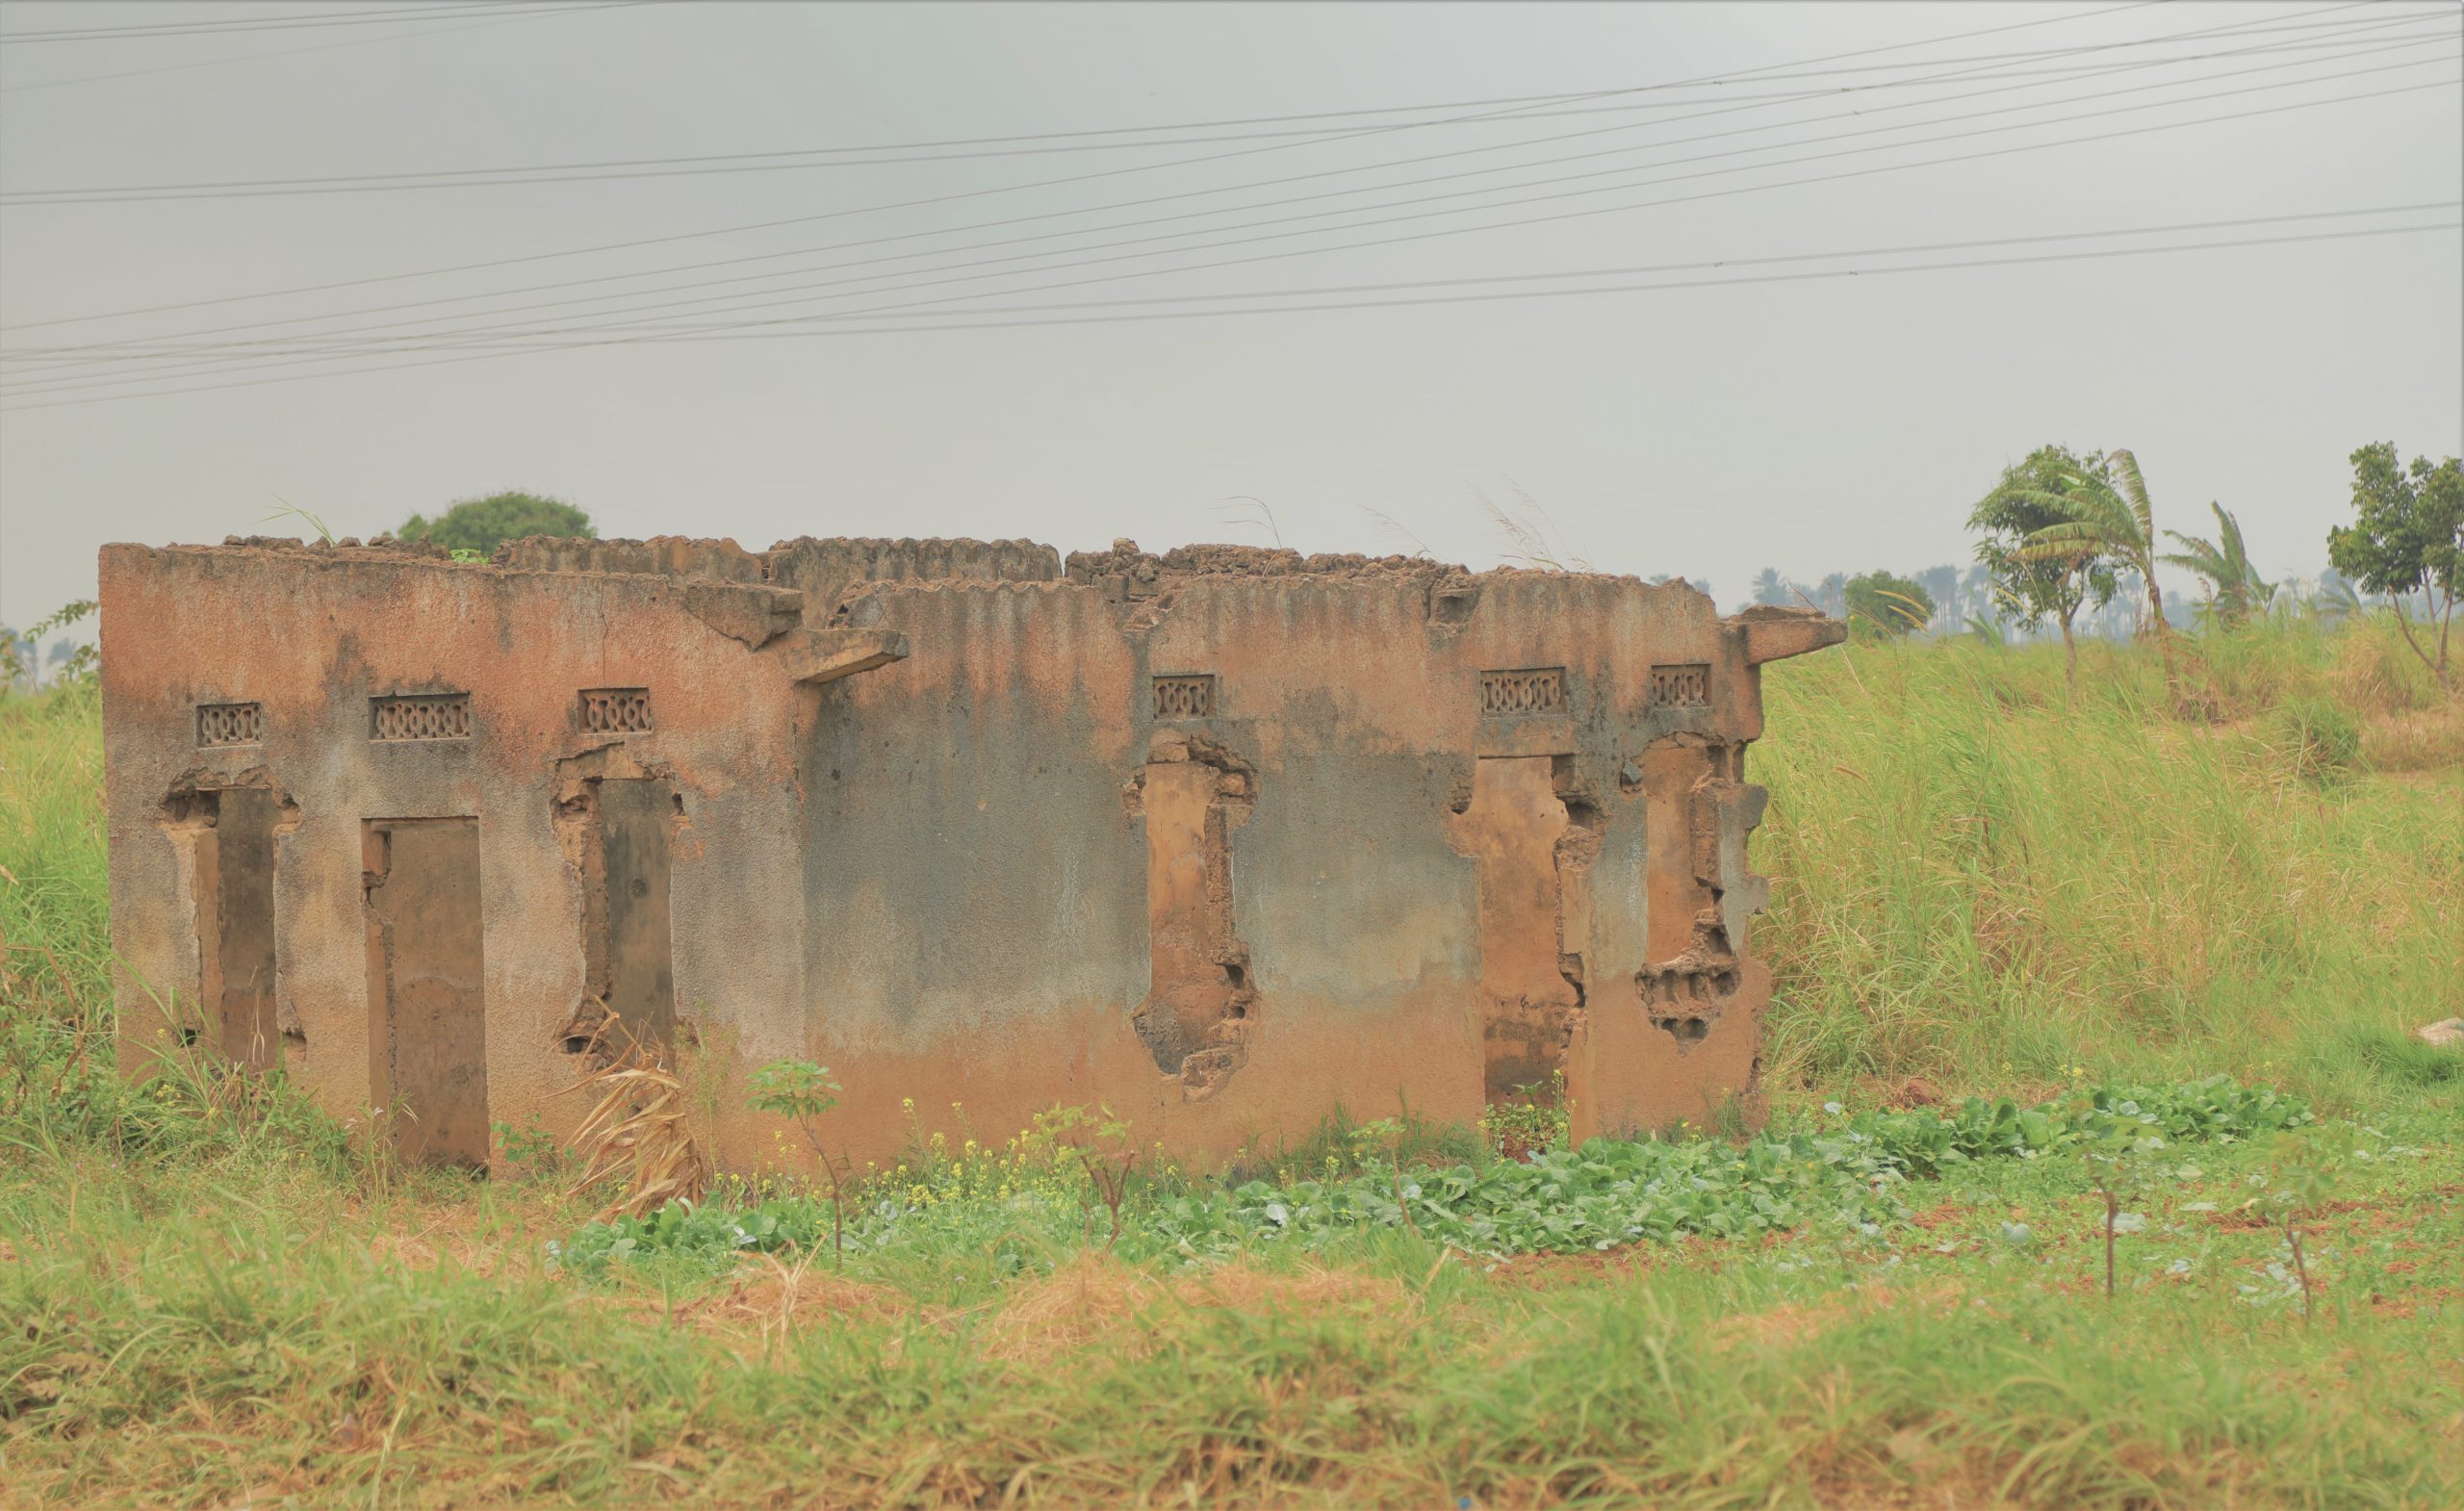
<point x="2234" y="586"/>
<point x="2107" y="508"/>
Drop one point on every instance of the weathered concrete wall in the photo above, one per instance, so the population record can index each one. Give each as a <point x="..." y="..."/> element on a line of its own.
<point x="308" y="640"/>
<point x="1221" y="838"/>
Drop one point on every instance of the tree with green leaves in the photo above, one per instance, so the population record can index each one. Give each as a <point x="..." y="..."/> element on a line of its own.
<point x="1885" y="606"/>
<point x="2032" y="586"/>
<point x="481" y="524"/>
<point x="2235" y="590"/>
<point x="2107" y="507"/>
<point x="2407" y="537"/>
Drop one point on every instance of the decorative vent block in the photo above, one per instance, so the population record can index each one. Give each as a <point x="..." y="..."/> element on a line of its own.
<point x="1511" y="695"/>
<point x="1185" y="698"/>
<point x="424" y="716"/>
<point x="615" y="710"/>
<point x="230" y="722"/>
<point x="1683" y="686"/>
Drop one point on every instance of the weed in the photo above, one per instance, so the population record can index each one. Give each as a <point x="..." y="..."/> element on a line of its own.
<point x="802" y="1090"/>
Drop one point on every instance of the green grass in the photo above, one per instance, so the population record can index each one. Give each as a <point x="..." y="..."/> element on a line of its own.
<point x="215" y="1295"/>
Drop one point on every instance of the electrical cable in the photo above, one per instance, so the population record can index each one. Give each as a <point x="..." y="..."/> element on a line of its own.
<point x="622" y="169"/>
<point x="763" y="225"/>
<point x="768" y="298"/>
<point x="132" y="343"/>
<point x="316" y="21"/>
<point x="1765" y="278"/>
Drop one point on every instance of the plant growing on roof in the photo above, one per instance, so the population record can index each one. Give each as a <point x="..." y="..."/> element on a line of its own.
<point x="802" y="1090"/>
<point x="477" y="526"/>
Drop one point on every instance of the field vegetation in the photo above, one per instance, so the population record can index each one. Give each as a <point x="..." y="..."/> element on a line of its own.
<point x="2101" y="1172"/>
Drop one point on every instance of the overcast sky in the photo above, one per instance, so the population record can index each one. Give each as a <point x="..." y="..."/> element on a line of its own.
<point x="1815" y="424"/>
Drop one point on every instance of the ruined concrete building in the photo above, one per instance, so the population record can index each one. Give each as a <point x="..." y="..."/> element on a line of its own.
<point x="1221" y="838"/>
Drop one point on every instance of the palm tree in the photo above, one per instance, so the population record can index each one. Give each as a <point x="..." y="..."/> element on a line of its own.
<point x="1769" y="587"/>
<point x="2117" y="521"/>
<point x="2235" y="588"/>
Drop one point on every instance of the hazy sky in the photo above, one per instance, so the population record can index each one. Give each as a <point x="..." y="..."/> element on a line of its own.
<point x="1814" y="425"/>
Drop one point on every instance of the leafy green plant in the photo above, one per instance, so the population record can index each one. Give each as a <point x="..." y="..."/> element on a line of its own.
<point x="1100" y="1143"/>
<point x="2316" y="739"/>
<point x="2302" y="1171"/>
<point x="527" y="1150"/>
<point x="2032" y="586"/>
<point x="1537" y="1121"/>
<point x="2106" y="511"/>
<point x="77" y="672"/>
<point x="477" y="526"/>
<point x="2235" y="590"/>
<point x="802" y="1090"/>
<point x="2407" y="537"/>
<point x="1882" y="606"/>
<point x="286" y="510"/>
<point x="2115" y="1151"/>
<point x="1384" y="1138"/>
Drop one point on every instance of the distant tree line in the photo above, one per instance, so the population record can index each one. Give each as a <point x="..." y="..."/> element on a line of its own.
<point x="2067" y="545"/>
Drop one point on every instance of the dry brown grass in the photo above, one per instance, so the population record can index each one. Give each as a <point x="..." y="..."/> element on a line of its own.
<point x="2419" y="739"/>
<point x="1095" y="1300"/>
<point x="636" y="1136"/>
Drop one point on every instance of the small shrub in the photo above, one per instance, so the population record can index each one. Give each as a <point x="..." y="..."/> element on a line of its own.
<point x="2314" y="740"/>
<point x="800" y="1090"/>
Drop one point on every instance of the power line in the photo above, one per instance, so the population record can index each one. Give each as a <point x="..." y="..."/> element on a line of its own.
<point x="136" y="342"/>
<point x="1631" y="270"/>
<point x="1788" y="278"/>
<point x="268" y="23"/>
<point x="444" y="340"/>
<point x="624" y="170"/>
<point x="318" y="47"/>
<point x="763" y="225"/>
<point x="203" y="353"/>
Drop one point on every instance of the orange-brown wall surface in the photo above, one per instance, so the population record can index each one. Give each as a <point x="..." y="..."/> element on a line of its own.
<point x="936" y="831"/>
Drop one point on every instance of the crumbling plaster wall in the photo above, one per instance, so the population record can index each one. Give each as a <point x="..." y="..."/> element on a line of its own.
<point x="941" y="877"/>
<point x="309" y="636"/>
<point x="979" y="887"/>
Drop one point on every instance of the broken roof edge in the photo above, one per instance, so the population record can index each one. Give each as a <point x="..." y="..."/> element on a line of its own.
<point x="753" y="613"/>
<point x="957" y="560"/>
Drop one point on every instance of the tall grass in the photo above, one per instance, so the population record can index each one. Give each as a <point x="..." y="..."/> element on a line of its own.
<point x="1979" y="878"/>
<point x="208" y="1300"/>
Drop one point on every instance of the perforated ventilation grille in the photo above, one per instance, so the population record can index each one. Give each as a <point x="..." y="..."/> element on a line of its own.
<point x="424" y="716"/>
<point x="1686" y="686"/>
<point x="1185" y="696"/>
<point x="1511" y="694"/>
<point x="615" y="710"/>
<point x="230" y="722"/>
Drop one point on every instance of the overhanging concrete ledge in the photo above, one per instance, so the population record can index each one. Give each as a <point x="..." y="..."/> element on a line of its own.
<point x="815" y="657"/>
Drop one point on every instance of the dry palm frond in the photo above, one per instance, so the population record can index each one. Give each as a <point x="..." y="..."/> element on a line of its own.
<point x="637" y="1133"/>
